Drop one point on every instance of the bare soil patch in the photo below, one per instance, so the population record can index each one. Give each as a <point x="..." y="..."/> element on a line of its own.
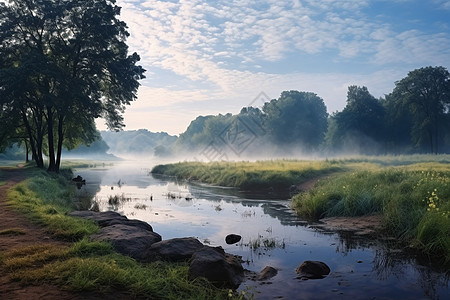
<point x="364" y="225"/>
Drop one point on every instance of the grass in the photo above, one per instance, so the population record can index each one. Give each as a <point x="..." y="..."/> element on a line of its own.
<point x="84" y="265"/>
<point x="276" y="174"/>
<point x="12" y="231"/>
<point x="414" y="200"/>
<point x="46" y="199"/>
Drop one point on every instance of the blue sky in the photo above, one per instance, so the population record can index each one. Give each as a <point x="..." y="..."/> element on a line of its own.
<point x="210" y="57"/>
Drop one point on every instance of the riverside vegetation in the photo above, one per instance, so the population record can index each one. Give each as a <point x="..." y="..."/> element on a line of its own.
<point x="84" y="265"/>
<point x="412" y="193"/>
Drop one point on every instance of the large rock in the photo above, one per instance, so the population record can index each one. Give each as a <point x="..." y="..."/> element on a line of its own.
<point x="177" y="249"/>
<point x="221" y="269"/>
<point x="108" y="218"/>
<point x="128" y="240"/>
<point x="311" y="269"/>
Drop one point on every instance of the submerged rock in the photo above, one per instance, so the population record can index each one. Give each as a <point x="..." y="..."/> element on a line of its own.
<point x="128" y="240"/>
<point x="267" y="273"/>
<point x="177" y="249"/>
<point x="232" y="238"/>
<point x="221" y="269"/>
<point x="311" y="269"/>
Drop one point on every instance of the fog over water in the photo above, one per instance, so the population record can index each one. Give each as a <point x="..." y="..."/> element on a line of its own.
<point x="272" y="235"/>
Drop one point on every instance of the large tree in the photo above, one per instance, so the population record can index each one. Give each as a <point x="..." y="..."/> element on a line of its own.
<point x="426" y="93"/>
<point x="360" y="125"/>
<point x="64" y="63"/>
<point x="296" y="119"/>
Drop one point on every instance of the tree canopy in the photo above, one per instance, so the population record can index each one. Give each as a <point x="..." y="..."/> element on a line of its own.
<point x="426" y="93"/>
<point x="359" y="124"/>
<point x="62" y="65"/>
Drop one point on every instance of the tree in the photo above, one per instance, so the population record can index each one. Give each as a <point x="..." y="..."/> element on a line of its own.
<point x="426" y="92"/>
<point x="360" y="125"/>
<point x="398" y="123"/>
<point x="64" y="63"/>
<point x="296" y="119"/>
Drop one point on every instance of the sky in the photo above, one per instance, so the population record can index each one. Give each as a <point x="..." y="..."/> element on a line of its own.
<point x="211" y="57"/>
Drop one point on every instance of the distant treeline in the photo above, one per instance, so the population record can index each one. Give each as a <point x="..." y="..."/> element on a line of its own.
<point x="139" y="141"/>
<point x="413" y="118"/>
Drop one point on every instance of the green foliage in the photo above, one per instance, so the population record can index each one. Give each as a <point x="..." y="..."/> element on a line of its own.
<point x="277" y="174"/>
<point x="296" y="118"/>
<point x="425" y="92"/>
<point x="360" y="126"/>
<point x="45" y="199"/>
<point x="413" y="199"/>
<point x="58" y="75"/>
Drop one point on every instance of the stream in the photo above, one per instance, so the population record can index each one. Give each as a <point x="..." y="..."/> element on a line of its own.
<point x="272" y="235"/>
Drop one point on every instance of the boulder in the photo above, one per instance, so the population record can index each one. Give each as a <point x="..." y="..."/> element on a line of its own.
<point x="267" y="273"/>
<point x="221" y="269"/>
<point x="310" y="269"/>
<point x="232" y="238"/>
<point x="177" y="249"/>
<point x="108" y="218"/>
<point x="128" y="240"/>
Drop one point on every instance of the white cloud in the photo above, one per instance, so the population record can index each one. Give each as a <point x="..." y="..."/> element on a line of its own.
<point x="218" y="52"/>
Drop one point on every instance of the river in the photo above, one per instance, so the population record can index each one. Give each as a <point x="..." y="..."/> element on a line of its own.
<point x="272" y="235"/>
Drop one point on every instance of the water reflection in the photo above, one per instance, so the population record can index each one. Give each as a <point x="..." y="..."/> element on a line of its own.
<point x="272" y="234"/>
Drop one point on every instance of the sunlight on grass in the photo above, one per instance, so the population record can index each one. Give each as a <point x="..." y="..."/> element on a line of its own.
<point x="86" y="265"/>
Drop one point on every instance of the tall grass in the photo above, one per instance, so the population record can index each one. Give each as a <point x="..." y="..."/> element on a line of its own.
<point x="414" y="202"/>
<point x="276" y="174"/>
<point x="85" y="265"/>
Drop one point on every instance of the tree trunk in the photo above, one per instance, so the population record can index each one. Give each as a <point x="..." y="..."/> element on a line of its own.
<point x="51" y="146"/>
<point x="39" y="139"/>
<point x="26" y="151"/>
<point x="60" y="142"/>
<point x="39" y="163"/>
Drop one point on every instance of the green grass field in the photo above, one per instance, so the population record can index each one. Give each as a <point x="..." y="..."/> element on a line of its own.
<point x="275" y="174"/>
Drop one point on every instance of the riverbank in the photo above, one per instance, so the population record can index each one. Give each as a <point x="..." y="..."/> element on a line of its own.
<point x="46" y="253"/>
<point x="411" y="194"/>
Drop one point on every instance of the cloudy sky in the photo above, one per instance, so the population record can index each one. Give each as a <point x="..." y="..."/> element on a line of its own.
<point x="210" y="57"/>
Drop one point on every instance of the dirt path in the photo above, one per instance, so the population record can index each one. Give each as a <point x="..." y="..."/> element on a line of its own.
<point x="32" y="235"/>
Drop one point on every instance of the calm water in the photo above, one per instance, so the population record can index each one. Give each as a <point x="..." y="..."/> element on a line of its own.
<point x="272" y="235"/>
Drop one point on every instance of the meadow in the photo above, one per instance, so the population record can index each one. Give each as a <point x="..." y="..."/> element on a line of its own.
<point x="273" y="174"/>
<point x="85" y="265"/>
<point x="412" y="193"/>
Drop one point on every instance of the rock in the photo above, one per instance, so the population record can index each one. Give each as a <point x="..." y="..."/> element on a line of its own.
<point x="221" y="269"/>
<point x="128" y="240"/>
<point x="310" y="269"/>
<point x="79" y="179"/>
<point x="267" y="273"/>
<point x="108" y="218"/>
<point x="232" y="238"/>
<point x="177" y="249"/>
